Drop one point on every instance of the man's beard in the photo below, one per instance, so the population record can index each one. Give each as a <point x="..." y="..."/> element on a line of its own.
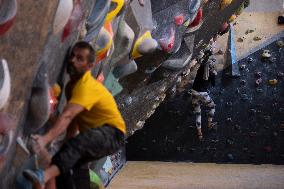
<point x="73" y="72"/>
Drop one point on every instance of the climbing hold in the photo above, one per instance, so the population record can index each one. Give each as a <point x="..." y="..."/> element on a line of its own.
<point x="257" y="38"/>
<point x="74" y="20"/>
<point x="147" y="46"/>
<point x="224" y="29"/>
<point x="62" y="15"/>
<point x="167" y="41"/>
<point x="179" y="19"/>
<point x="243" y="67"/>
<point x="7" y="131"/>
<point x="197" y="22"/>
<point x="229" y="119"/>
<point x="280" y="74"/>
<point x="8" y="10"/>
<point x="124" y="70"/>
<point x="250" y="60"/>
<point x="141" y="2"/>
<point x="193" y="8"/>
<point x="54" y="93"/>
<point x="249" y="31"/>
<point x="229" y="104"/>
<point x="240" y="39"/>
<point x="280" y="44"/>
<point x="177" y="63"/>
<point x="96" y="19"/>
<point x="266" y="54"/>
<point x="124" y="42"/>
<point x="273" y="82"/>
<point x="232" y="18"/>
<point x="104" y="42"/>
<point x="101" y="77"/>
<point x="258" y="90"/>
<point x="143" y="45"/>
<point x="258" y="74"/>
<point x="258" y="81"/>
<point x="252" y="111"/>
<point x="111" y="15"/>
<point x="225" y="3"/>
<point x="243" y="82"/>
<point x="5" y="83"/>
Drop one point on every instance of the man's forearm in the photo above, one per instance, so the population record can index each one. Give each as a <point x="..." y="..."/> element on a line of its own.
<point x="59" y="127"/>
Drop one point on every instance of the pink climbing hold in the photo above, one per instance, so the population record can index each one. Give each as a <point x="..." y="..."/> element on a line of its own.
<point x="101" y="77"/>
<point x="167" y="42"/>
<point x="197" y="19"/>
<point x="179" y="20"/>
<point x="74" y="20"/>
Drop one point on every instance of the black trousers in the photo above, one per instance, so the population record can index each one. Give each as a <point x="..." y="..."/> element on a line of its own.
<point x="90" y="145"/>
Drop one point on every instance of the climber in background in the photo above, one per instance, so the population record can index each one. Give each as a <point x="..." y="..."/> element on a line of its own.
<point x="204" y="78"/>
<point x="94" y="125"/>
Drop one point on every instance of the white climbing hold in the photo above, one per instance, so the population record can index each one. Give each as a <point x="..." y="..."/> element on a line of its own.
<point x="148" y="46"/>
<point x="266" y="54"/>
<point x="62" y="15"/>
<point x="5" y="87"/>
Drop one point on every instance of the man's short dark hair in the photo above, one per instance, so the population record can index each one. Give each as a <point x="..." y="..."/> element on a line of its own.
<point x="86" y="45"/>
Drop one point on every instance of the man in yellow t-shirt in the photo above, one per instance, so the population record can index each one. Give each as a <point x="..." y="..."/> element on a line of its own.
<point x="92" y="110"/>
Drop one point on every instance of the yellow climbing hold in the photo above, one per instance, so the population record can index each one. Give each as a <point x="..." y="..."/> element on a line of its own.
<point x="119" y="4"/>
<point x="273" y="82"/>
<point x="135" y="53"/>
<point x="225" y="3"/>
<point x="56" y="89"/>
<point x="232" y="18"/>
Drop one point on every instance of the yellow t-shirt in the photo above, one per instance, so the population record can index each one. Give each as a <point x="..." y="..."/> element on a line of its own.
<point x="100" y="106"/>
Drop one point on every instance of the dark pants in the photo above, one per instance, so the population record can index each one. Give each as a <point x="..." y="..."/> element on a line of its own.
<point x="90" y="145"/>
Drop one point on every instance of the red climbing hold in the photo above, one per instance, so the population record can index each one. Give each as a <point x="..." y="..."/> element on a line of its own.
<point x="197" y="19"/>
<point x="179" y="20"/>
<point x="167" y="42"/>
<point x="6" y="26"/>
<point x="7" y="17"/>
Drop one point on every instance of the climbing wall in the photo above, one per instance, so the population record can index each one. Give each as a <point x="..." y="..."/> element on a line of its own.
<point x="141" y="48"/>
<point x="249" y="116"/>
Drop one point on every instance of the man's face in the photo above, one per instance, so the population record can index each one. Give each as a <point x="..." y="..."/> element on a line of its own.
<point x="78" y="62"/>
